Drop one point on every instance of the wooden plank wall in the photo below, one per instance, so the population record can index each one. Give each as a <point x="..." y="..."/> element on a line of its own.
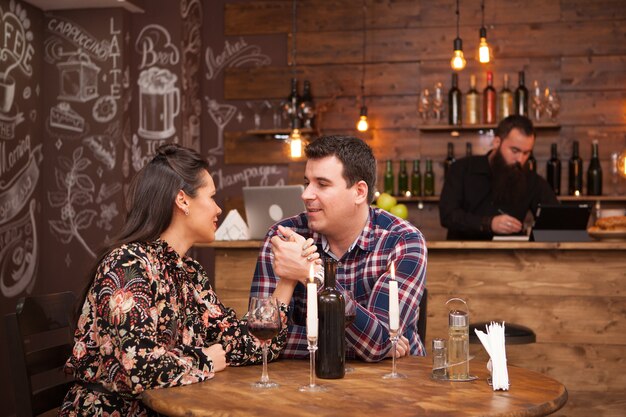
<point x="576" y="47"/>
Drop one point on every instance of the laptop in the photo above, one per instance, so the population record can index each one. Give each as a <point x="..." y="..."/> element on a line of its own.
<point x="268" y="205"/>
<point x="561" y="223"/>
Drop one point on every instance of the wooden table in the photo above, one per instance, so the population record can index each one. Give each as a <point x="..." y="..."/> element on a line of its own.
<point x="362" y="393"/>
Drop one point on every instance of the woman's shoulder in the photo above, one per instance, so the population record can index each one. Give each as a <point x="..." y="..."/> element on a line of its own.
<point x="127" y="254"/>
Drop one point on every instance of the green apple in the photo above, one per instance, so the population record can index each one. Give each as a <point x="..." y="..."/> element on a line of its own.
<point x="386" y="201"/>
<point x="400" y="210"/>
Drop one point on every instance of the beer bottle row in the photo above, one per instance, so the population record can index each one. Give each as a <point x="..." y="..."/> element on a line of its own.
<point x="417" y="185"/>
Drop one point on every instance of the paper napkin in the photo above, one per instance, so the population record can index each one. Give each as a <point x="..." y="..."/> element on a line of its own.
<point x="494" y="344"/>
<point x="232" y="228"/>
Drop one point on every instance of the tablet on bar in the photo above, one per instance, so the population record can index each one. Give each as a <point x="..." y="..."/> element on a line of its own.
<point x="561" y="223"/>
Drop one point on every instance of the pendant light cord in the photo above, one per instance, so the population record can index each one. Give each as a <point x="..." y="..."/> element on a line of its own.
<point x="458" y="17"/>
<point x="363" y="60"/>
<point x="293" y="35"/>
<point x="482" y="13"/>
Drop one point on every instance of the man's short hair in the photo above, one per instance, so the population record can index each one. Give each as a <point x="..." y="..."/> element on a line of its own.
<point x="515" y="121"/>
<point x="356" y="156"/>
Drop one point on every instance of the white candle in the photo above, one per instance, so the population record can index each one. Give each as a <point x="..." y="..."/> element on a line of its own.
<point x="311" y="305"/>
<point x="394" y="319"/>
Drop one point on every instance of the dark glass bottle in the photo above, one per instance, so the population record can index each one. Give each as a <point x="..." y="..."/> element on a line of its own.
<point x="489" y="101"/>
<point x="594" y="172"/>
<point x="468" y="149"/>
<point x="454" y="102"/>
<point x="331" y="345"/>
<point x="471" y="103"/>
<point x="575" y="172"/>
<point x="429" y="179"/>
<point x="292" y="102"/>
<point x="403" y="179"/>
<point x="307" y="107"/>
<point x="416" y="179"/>
<point x="389" y="179"/>
<point x="521" y="96"/>
<point x="449" y="160"/>
<point x="553" y="170"/>
<point x="531" y="163"/>
<point x="505" y="100"/>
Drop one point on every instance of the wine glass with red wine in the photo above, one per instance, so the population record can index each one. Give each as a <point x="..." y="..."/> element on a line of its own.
<point x="264" y="324"/>
<point x="350" y="313"/>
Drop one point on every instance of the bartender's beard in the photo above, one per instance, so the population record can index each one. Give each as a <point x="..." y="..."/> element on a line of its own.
<point x="509" y="182"/>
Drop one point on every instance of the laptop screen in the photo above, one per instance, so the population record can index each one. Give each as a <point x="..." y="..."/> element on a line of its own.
<point x="266" y="205"/>
<point x="562" y="217"/>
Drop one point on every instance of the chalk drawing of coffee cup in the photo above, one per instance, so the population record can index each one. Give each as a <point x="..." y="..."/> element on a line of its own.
<point x="159" y="103"/>
<point x="7" y="93"/>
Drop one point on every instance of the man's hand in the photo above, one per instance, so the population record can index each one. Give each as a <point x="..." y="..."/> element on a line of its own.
<point x="402" y="348"/>
<point x="293" y="255"/>
<point x="505" y="225"/>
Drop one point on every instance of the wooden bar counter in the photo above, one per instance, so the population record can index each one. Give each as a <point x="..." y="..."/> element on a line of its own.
<point x="361" y="393"/>
<point x="572" y="295"/>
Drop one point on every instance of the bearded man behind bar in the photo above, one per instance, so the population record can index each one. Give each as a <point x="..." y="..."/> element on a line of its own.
<point x="491" y="194"/>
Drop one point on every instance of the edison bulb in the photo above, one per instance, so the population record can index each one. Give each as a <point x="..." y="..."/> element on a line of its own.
<point x="295" y="143"/>
<point x="362" y="124"/>
<point x="458" y="60"/>
<point x="483" y="51"/>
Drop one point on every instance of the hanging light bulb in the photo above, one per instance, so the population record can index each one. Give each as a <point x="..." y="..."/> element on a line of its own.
<point x="484" y="51"/>
<point x="362" y="124"/>
<point x="484" y="54"/>
<point x="458" y="60"/>
<point x="295" y="143"/>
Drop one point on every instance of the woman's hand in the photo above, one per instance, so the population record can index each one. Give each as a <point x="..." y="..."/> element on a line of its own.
<point x="218" y="357"/>
<point x="293" y="255"/>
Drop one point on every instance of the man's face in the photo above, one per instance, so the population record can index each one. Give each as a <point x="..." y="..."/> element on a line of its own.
<point x="330" y="204"/>
<point x="515" y="148"/>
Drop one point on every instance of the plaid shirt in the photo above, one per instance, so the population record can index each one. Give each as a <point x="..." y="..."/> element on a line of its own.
<point x="364" y="270"/>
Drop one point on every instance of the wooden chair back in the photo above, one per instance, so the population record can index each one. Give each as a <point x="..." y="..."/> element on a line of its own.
<point x="40" y="340"/>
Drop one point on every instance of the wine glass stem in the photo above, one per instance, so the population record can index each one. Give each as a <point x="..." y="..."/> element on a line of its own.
<point x="394" y="342"/>
<point x="312" y="366"/>
<point x="264" y="376"/>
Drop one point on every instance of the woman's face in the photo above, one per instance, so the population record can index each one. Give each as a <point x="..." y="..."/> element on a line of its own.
<point x="203" y="211"/>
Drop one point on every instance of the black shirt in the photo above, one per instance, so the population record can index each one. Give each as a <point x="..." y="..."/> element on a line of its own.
<point x="466" y="206"/>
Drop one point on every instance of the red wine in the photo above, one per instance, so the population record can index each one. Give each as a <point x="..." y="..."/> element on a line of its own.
<point x="350" y="319"/>
<point x="263" y="331"/>
<point x="331" y="332"/>
<point x="489" y="101"/>
<point x="553" y="170"/>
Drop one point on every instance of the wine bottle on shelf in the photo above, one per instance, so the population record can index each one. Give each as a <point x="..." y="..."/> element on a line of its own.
<point x="489" y="101"/>
<point x="521" y="96"/>
<point x="471" y="103"/>
<point x="575" y="172"/>
<point x="553" y="170"/>
<point x="429" y="179"/>
<point x="331" y="326"/>
<point x="416" y="179"/>
<point x="594" y="172"/>
<point x="531" y="163"/>
<point x="403" y="179"/>
<point x="468" y="149"/>
<point x="454" y="102"/>
<point x="389" y="180"/>
<point x="449" y="160"/>
<point x="505" y="100"/>
<point x="306" y="107"/>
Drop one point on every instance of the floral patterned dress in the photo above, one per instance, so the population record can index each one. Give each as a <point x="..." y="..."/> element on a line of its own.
<point x="147" y="322"/>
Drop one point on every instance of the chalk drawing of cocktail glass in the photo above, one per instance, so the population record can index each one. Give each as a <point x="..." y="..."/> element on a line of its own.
<point x="221" y="115"/>
<point x="159" y="103"/>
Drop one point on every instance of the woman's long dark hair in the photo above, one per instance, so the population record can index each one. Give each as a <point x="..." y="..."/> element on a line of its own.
<point x="150" y="199"/>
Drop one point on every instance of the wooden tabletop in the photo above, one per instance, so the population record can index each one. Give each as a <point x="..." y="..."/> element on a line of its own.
<point x="362" y="393"/>
<point x="452" y="244"/>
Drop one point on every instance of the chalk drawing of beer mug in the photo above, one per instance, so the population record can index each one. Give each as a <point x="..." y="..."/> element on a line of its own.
<point x="159" y="103"/>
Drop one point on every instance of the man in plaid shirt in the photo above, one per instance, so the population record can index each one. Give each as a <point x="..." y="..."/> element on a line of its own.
<point x="340" y="176"/>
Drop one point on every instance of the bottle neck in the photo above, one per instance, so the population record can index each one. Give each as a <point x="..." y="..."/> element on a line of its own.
<point x="521" y="79"/>
<point x="553" y="151"/>
<point x="575" y="151"/>
<point x="330" y="271"/>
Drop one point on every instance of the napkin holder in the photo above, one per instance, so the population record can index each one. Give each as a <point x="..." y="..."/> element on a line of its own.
<point x="233" y="228"/>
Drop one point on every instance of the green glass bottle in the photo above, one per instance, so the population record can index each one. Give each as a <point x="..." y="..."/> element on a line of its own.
<point x="403" y="179"/>
<point x="389" y="179"/>
<point x="416" y="179"/>
<point x="429" y="179"/>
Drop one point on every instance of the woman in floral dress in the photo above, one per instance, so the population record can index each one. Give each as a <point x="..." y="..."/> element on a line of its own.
<point x="150" y="318"/>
